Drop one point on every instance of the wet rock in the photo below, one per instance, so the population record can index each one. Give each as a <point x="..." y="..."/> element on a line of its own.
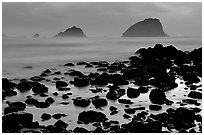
<point x="101" y="80"/>
<point x="7" y="85"/>
<point x="80" y="130"/>
<point x="99" y="130"/>
<point x="112" y="108"/>
<point x="132" y="93"/>
<point x="191" y="77"/>
<point x="58" y="115"/>
<point x="57" y="73"/>
<point x="192" y="131"/>
<point x="55" y="129"/>
<point x="130" y="110"/>
<point x="91" y="116"/>
<point x="37" y="78"/>
<point x="125" y="101"/>
<point x="15" y="107"/>
<point x="60" y="84"/>
<point x="13" y="122"/>
<point x="10" y="93"/>
<point x="61" y="123"/>
<point x="39" y="88"/>
<point x="139" y="108"/>
<point x="31" y="101"/>
<point x="41" y="94"/>
<point x="143" y="89"/>
<point x="195" y="94"/>
<point x="99" y="102"/>
<point x="55" y="93"/>
<point x="88" y="66"/>
<point x="190" y="101"/>
<point x="81" y="102"/>
<point x="65" y="96"/>
<point x="42" y="105"/>
<point x="80" y="82"/>
<point x="157" y="96"/>
<point x="45" y="116"/>
<point x="118" y="79"/>
<point x="141" y="128"/>
<point x="153" y="127"/>
<point x="24" y="86"/>
<point x="69" y="64"/>
<point x="50" y="100"/>
<point x="198" y="118"/>
<point x="112" y="95"/>
<point x="155" y="107"/>
<point x="74" y="73"/>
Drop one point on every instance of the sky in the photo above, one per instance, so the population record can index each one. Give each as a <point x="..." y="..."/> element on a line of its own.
<point x="100" y="18"/>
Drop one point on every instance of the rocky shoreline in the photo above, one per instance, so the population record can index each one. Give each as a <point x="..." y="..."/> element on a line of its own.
<point x="151" y="72"/>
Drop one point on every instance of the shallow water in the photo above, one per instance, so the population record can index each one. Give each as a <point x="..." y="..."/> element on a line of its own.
<point x="43" y="53"/>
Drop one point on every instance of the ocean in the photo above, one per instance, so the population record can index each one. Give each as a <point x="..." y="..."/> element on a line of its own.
<point x="41" y="53"/>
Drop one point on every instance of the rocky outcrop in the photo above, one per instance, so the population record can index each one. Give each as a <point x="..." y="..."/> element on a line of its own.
<point x="71" y="32"/>
<point x="36" y="35"/>
<point x="147" y="28"/>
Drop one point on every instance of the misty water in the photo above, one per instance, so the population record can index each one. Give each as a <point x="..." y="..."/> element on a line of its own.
<point x="27" y="57"/>
<point x="41" y="53"/>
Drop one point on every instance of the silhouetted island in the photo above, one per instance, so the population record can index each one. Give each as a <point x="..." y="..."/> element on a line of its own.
<point x="72" y="32"/>
<point x="147" y="28"/>
<point x="36" y="35"/>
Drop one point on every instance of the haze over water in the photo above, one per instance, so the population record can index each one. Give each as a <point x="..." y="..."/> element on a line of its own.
<point x="49" y="52"/>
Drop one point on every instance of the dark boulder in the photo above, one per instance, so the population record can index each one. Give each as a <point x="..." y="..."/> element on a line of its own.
<point x="69" y="64"/>
<point x="39" y="88"/>
<point x="74" y="73"/>
<point x="80" y="82"/>
<point x="80" y="130"/>
<point x="9" y="93"/>
<point x="31" y="101"/>
<point x="61" y="123"/>
<point x="81" y="102"/>
<point x="45" y="116"/>
<point x="58" y="115"/>
<point x="102" y="80"/>
<point x="118" y="79"/>
<point x="42" y="104"/>
<point x="91" y="116"/>
<point x="99" y="102"/>
<point x="55" y="129"/>
<point x="191" y="77"/>
<point x="195" y="94"/>
<point x="60" y="84"/>
<point x="24" y="86"/>
<point x="153" y="127"/>
<point x="157" y="96"/>
<point x="7" y="85"/>
<point x="15" y="107"/>
<point x="130" y="110"/>
<point x="125" y="101"/>
<point x="49" y="100"/>
<point x="155" y="107"/>
<point x="112" y="95"/>
<point x="143" y="89"/>
<point x="132" y="93"/>
<point x="71" y="32"/>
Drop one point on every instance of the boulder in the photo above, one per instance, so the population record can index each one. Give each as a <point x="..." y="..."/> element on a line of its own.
<point x="125" y="101"/>
<point x="155" y="107"/>
<point x="81" y="102"/>
<point x="91" y="116"/>
<point x="60" y="84"/>
<point x="80" y="82"/>
<point x="99" y="102"/>
<point x="45" y="116"/>
<point x="132" y="93"/>
<point x="157" y="96"/>
<point x="80" y="130"/>
<point x="49" y="100"/>
<point x="7" y="85"/>
<point x="14" y="107"/>
<point x="61" y="123"/>
<point x="39" y="88"/>
<point x="24" y="86"/>
<point x="58" y="115"/>
<point x="69" y="64"/>
<point x="195" y="94"/>
<point x="130" y="110"/>
<point x="74" y="73"/>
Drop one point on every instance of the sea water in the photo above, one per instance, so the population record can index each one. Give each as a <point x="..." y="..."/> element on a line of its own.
<point x="41" y="53"/>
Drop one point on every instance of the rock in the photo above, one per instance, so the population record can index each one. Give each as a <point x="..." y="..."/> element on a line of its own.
<point x="72" y="32"/>
<point x="14" y="107"/>
<point x="69" y="64"/>
<point x="101" y="80"/>
<point x="157" y="96"/>
<point x="42" y="104"/>
<point x="36" y="35"/>
<point x="74" y="73"/>
<point x="130" y="110"/>
<point x="60" y="84"/>
<point x="24" y="86"/>
<point x="125" y="101"/>
<point x="195" y="94"/>
<point x="143" y="89"/>
<point x="99" y="130"/>
<point x="37" y="78"/>
<point x="191" y="77"/>
<point x="146" y="28"/>
<point x="7" y="85"/>
<point x="112" y="95"/>
<point x="80" y="130"/>
<point x="81" y="102"/>
<point x="118" y="79"/>
<point x="55" y="129"/>
<point x="9" y="93"/>
<point x="45" y="73"/>
<point x="112" y="108"/>
<point x="39" y="88"/>
<point x="141" y="128"/>
<point x="132" y="93"/>
<point x="31" y="101"/>
<point x="65" y="96"/>
<point x="61" y="123"/>
<point x="13" y="122"/>
<point x="57" y="73"/>
<point x="190" y="101"/>
<point x="80" y="82"/>
<point x="55" y="93"/>
<point x="88" y="65"/>
<point x="99" y="102"/>
<point x="91" y="116"/>
<point x="45" y="116"/>
<point x="50" y="100"/>
<point x="153" y="127"/>
<point x="58" y="116"/>
<point x="155" y="107"/>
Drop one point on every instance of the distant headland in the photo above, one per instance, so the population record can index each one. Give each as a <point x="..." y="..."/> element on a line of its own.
<point x="147" y="28"/>
<point x="71" y="32"/>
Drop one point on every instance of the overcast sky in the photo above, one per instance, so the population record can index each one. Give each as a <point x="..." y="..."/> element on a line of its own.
<point x="99" y="19"/>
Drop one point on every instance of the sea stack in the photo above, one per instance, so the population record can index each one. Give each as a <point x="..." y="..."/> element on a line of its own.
<point x="71" y="32"/>
<point x="147" y="28"/>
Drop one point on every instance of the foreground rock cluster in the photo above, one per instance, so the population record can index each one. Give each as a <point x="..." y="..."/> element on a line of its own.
<point x="153" y="70"/>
